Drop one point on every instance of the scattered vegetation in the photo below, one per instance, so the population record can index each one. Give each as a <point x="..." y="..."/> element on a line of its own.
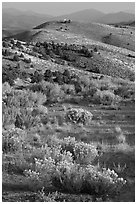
<point x="58" y="149"/>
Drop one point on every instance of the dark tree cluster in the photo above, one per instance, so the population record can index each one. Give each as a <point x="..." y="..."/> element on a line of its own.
<point x="72" y="54"/>
<point x="52" y="49"/>
<point x="56" y="77"/>
<point x="9" y="74"/>
<point x="6" y="52"/>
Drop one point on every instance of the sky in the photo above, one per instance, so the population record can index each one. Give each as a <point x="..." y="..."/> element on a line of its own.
<point x="61" y="8"/>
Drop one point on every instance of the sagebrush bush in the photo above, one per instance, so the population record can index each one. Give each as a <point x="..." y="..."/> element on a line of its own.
<point x="55" y="94"/>
<point x="6" y="88"/>
<point x="125" y="91"/>
<point x="19" y="98"/>
<point x="68" y="89"/>
<point x="80" y="115"/>
<point x="59" y="169"/>
<point x="82" y="153"/>
<point x="19" y="107"/>
<point x="105" y="97"/>
<point x="13" y="140"/>
<point x="9" y="115"/>
<point x="16" y="57"/>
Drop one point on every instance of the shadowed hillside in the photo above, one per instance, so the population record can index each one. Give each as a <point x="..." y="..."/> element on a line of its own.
<point x="121" y="37"/>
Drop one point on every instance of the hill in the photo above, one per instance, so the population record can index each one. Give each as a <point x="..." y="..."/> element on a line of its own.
<point x="121" y="37"/>
<point x="68" y="107"/>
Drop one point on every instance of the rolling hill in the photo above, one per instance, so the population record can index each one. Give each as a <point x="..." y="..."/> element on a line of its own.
<point x="121" y="37"/>
<point x="68" y="113"/>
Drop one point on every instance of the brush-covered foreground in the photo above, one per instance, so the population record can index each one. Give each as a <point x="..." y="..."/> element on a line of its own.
<point x="68" y="123"/>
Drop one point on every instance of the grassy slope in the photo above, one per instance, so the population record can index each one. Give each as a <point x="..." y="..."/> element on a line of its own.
<point x="121" y="37"/>
<point x="17" y="186"/>
<point x="111" y="60"/>
<point x="96" y="132"/>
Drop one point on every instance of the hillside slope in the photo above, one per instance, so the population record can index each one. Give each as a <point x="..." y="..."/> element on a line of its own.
<point x="121" y="37"/>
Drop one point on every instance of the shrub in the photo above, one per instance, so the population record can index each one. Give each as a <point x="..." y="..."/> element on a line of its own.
<point x="6" y="52"/>
<point x="78" y="87"/>
<point x="89" y="93"/>
<point x="37" y="98"/>
<point x="79" y="116"/>
<point x="29" y="121"/>
<point x="8" y="114"/>
<point x="37" y="77"/>
<point x="68" y="89"/>
<point x="82" y="153"/>
<point x="125" y="91"/>
<point x="105" y="97"/>
<point x="66" y="73"/>
<point x="5" y="44"/>
<point x="27" y="60"/>
<point x="6" y="88"/>
<point x="54" y="93"/>
<point x="25" y="99"/>
<point x="95" y="49"/>
<point x="77" y="179"/>
<point x="13" y="140"/>
<point x="21" y="55"/>
<point x="19" y="122"/>
<point x="58" y="169"/>
<point x="16" y="57"/>
<point x="48" y="74"/>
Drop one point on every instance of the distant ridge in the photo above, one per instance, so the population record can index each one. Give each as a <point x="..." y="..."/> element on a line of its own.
<point x="88" y="15"/>
<point x="117" y="18"/>
<point x="15" y="19"/>
<point x="92" y="15"/>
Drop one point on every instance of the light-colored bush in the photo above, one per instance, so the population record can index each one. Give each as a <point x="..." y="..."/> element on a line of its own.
<point x="80" y="115"/>
<point x="105" y="97"/>
<point x="13" y="140"/>
<point x="82" y="152"/>
<point x="68" y="89"/>
<point x="6" y="88"/>
<point x="59" y="169"/>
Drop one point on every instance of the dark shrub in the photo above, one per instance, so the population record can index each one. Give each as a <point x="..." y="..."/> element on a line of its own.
<point x="36" y="49"/>
<point x="12" y="41"/>
<point x="78" y="87"/>
<point x="6" y="52"/>
<point x="5" y="44"/>
<point x="18" y="44"/>
<point x="21" y="55"/>
<point x="37" y="77"/>
<point x="48" y="74"/>
<point x="38" y="44"/>
<point x="88" y="53"/>
<point x="16" y="58"/>
<point x="19" y="122"/>
<point x="66" y="73"/>
<point x="95" y="49"/>
<point x="59" y="80"/>
<point x="27" y="60"/>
